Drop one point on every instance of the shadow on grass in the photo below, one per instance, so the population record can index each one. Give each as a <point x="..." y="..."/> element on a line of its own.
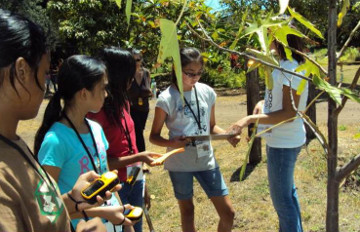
<point x="235" y="177"/>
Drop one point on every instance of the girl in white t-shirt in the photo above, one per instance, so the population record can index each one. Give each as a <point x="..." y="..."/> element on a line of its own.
<point x="193" y="115"/>
<point x="283" y="143"/>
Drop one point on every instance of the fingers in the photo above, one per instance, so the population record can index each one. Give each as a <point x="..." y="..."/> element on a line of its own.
<point x="89" y="176"/>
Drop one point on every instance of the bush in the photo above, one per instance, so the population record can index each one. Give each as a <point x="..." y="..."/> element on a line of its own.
<point x="224" y="77"/>
<point x="351" y="54"/>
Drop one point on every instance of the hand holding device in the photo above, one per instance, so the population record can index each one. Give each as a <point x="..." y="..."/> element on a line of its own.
<point x="107" y="182"/>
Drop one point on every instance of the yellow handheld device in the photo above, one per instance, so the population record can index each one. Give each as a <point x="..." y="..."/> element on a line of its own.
<point x="107" y="181"/>
<point x="133" y="175"/>
<point x="133" y="214"/>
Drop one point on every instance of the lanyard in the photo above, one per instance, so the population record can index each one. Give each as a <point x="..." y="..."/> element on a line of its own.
<point x="197" y="119"/>
<point x="96" y="168"/>
<point x="26" y="157"/>
<point x="127" y="134"/>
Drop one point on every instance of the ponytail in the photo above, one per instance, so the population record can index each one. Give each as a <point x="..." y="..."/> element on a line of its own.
<point x="52" y="114"/>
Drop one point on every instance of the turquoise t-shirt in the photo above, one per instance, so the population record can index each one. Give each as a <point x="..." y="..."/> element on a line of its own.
<point x="62" y="148"/>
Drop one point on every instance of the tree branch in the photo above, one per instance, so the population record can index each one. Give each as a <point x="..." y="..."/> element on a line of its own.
<point x="181" y="13"/>
<point x="306" y="56"/>
<point x="348" y="168"/>
<point x="352" y="86"/>
<point x="348" y="40"/>
<point x="208" y="39"/>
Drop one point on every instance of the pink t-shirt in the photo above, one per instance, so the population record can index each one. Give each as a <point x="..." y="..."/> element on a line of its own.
<point x="116" y="136"/>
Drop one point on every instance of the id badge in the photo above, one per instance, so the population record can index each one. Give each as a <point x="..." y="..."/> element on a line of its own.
<point x="203" y="149"/>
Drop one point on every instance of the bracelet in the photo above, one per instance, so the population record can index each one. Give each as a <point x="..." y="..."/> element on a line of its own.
<point x="122" y="221"/>
<point x="76" y="202"/>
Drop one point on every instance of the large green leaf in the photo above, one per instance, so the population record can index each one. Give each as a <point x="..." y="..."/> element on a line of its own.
<point x="305" y="22"/>
<point x="283" y="5"/>
<point x="260" y="27"/>
<point x="269" y="82"/>
<point x="128" y="11"/>
<point x="350" y="94"/>
<point x="344" y="9"/>
<point x="309" y="68"/>
<point x="262" y="56"/>
<point x="250" y="145"/>
<point x="169" y="47"/>
<point x="301" y="87"/>
<point x="333" y="92"/>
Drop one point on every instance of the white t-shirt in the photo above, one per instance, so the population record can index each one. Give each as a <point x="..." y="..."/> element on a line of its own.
<point x="292" y="134"/>
<point x="181" y="122"/>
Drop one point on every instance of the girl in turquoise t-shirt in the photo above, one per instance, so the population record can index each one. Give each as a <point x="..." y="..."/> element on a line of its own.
<point x="67" y="144"/>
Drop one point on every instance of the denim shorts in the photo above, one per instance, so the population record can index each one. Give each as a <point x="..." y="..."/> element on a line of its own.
<point x="211" y="181"/>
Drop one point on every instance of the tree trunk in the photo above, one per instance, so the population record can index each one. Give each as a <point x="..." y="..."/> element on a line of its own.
<point x="310" y="135"/>
<point x="253" y="97"/>
<point x="332" y="213"/>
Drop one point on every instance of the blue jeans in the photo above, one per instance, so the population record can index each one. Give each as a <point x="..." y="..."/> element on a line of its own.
<point x="211" y="181"/>
<point x="133" y="195"/>
<point x="280" y="165"/>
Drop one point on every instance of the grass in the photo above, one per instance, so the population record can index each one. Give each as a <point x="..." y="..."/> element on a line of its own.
<point x="250" y="198"/>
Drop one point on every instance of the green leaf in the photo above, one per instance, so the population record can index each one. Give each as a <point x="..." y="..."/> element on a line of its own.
<point x="283" y="5"/>
<point x="305" y="22"/>
<point x="169" y="47"/>
<point x="309" y="68"/>
<point x="268" y="77"/>
<point x="262" y="56"/>
<point x="351" y="95"/>
<point x="128" y="11"/>
<point x="333" y="92"/>
<point x="215" y="35"/>
<point x="118" y="3"/>
<point x="301" y="87"/>
<point x="250" y="145"/>
<point x="344" y="9"/>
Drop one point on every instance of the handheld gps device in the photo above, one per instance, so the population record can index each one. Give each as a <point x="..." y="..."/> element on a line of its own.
<point x="133" y="214"/>
<point x="107" y="181"/>
<point x="133" y="175"/>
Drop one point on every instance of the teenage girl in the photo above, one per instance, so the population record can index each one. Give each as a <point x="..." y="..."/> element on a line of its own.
<point x="192" y="115"/>
<point x="283" y="143"/>
<point x="68" y="144"/>
<point x="30" y="200"/>
<point x="119" y="129"/>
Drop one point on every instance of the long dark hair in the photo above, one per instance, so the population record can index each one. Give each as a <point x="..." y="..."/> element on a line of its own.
<point x="121" y="68"/>
<point x="187" y="56"/>
<point x="20" y="37"/>
<point x="294" y="42"/>
<point x="76" y="73"/>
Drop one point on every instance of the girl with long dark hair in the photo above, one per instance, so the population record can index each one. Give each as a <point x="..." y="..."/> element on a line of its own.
<point x="119" y="129"/>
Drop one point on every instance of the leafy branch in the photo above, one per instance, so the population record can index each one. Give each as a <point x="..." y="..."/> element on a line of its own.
<point x="209" y="39"/>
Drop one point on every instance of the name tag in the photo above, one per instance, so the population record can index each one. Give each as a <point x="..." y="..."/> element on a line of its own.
<point x="203" y="149"/>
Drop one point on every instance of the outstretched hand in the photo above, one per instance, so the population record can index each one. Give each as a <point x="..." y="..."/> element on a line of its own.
<point x="236" y="130"/>
<point x="149" y="157"/>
